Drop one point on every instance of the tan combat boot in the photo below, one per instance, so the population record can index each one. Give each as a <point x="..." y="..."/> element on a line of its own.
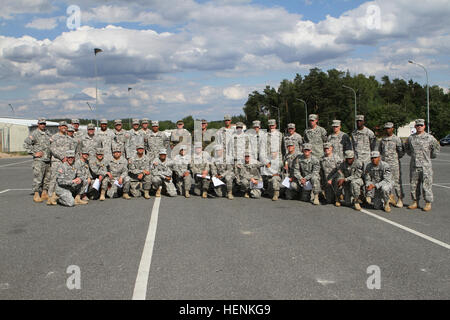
<point x="126" y="196"/>
<point x="78" y="200"/>
<point x="387" y="208"/>
<point x="186" y="194"/>
<point x="146" y="194"/>
<point x="337" y="203"/>
<point x="276" y="194"/>
<point x="204" y="195"/>
<point x="230" y="195"/>
<point x="369" y="200"/>
<point x="399" y="203"/>
<point x="44" y="195"/>
<point x="37" y="198"/>
<point x="413" y="205"/>
<point x="427" y="207"/>
<point x="392" y="200"/>
<point x="102" y="195"/>
<point x="52" y="200"/>
<point x="158" y="192"/>
<point x="357" y="206"/>
<point x="247" y="196"/>
<point x="316" y="201"/>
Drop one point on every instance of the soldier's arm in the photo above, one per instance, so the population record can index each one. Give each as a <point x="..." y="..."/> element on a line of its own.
<point x="400" y="148"/>
<point x="324" y="135"/>
<point x="347" y="142"/>
<point x="387" y="177"/>
<point x="435" y="148"/>
<point x="132" y="169"/>
<point x="57" y="154"/>
<point x="62" y="180"/>
<point x="296" y="170"/>
<point x="28" y="144"/>
<point x="367" y="178"/>
<point x="373" y="140"/>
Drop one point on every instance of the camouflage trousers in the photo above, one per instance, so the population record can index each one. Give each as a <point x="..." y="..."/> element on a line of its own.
<point x="66" y="197"/>
<point x="305" y="195"/>
<point x="397" y="178"/>
<point x="168" y="186"/>
<point x="273" y="183"/>
<point x="381" y="195"/>
<point x="54" y="172"/>
<point x="221" y="191"/>
<point x="183" y="183"/>
<point x="137" y="186"/>
<point x="421" y="178"/>
<point x="41" y="175"/>
<point x="112" y="190"/>
<point x="201" y="184"/>
<point x="329" y="191"/>
<point x="351" y="189"/>
<point x="244" y="186"/>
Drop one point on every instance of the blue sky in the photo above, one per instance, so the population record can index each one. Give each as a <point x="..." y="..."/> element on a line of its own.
<point x="203" y="58"/>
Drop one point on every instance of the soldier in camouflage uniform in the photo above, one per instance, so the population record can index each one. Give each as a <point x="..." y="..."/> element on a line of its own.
<point x="258" y="141"/>
<point x="307" y="168"/>
<point x="117" y="176"/>
<point x="139" y="173"/>
<point x="74" y="143"/>
<point x="161" y="170"/>
<point x="295" y="137"/>
<point x="200" y="167"/>
<point x="38" y="145"/>
<point x="68" y="182"/>
<point x="145" y="132"/>
<point x="156" y="141"/>
<point x="241" y="142"/>
<point x="329" y="165"/>
<point x="76" y="125"/>
<point x="120" y="138"/>
<point x="392" y="150"/>
<point x="179" y="137"/>
<point x="135" y="138"/>
<point x="289" y="160"/>
<point x="349" y="179"/>
<point x="271" y="174"/>
<point x="315" y="135"/>
<point x="378" y="177"/>
<point x="421" y="147"/>
<point x="340" y="141"/>
<point x="363" y="141"/>
<point x="90" y="141"/>
<point x="84" y="172"/>
<point x="105" y="137"/>
<point x="273" y="142"/>
<point x="223" y="171"/>
<point x="99" y="170"/>
<point x="248" y="176"/>
<point x="181" y="170"/>
<point x="224" y="137"/>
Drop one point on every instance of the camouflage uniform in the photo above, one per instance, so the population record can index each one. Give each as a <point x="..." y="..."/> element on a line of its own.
<point x="65" y="189"/>
<point x="289" y="161"/>
<point x="179" y="137"/>
<point x="224" y="137"/>
<point x="298" y="142"/>
<point x="380" y="176"/>
<point x="317" y="137"/>
<point x="272" y="175"/>
<point x="240" y="144"/>
<point x="84" y="172"/>
<point x="118" y="169"/>
<point x="137" y="165"/>
<point x="91" y="143"/>
<point x="60" y="143"/>
<point x="40" y="141"/>
<point x="99" y="168"/>
<point x="352" y="174"/>
<point x="258" y="141"/>
<point x="309" y="169"/>
<point x="135" y="138"/>
<point x="244" y="172"/>
<point x="181" y="164"/>
<point x="199" y="163"/>
<point x="160" y="170"/>
<point x="341" y="142"/>
<point x="155" y="142"/>
<point x="329" y="166"/>
<point x="105" y="139"/>
<point x="120" y="140"/>
<point x="226" y="171"/>
<point x="363" y="141"/>
<point x="273" y="144"/>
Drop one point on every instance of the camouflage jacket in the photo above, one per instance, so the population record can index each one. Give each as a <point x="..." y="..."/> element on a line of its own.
<point x="37" y="141"/>
<point x="105" y="139"/>
<point x="200" y="162"/>
<point x="350" y="172"/>
<point x="135" y="138"/>
<point x="306" y="167"/>
<point x="60" y="143"/>
<point x="364" y="141"/>
<point x="181" y="164"/>
<point x="317" y="137"/>
<point x="98" y="168"/>
<point x="329" y="167"/>
<point x="378" y="175"/>
<point x="66" y="173"/>
<point x="341" y="142"/>
<point x="84" y="171"/>
<point x="391" y="150"/>
<point x="118" y="168"/>
<point x="298" y="142"/>
<point x="422" y="148"/>
<point x="248" y="170"/>
<point x="138" y="165"/>
<point x="162" y="169"/>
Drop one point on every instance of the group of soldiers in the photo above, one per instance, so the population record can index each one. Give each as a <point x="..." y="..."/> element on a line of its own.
<point x="72" y="167"/>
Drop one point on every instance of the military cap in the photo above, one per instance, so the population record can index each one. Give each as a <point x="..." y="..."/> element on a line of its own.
<point x="70" y="128"/>
<point x="84" y="149"/>
<point x="140" y="146"/>
<point x="227" y="117"/>
<point x="247" y="154"/>
<point x="75" y="121"/>
<point x="290" y="143"/>
<point x="388" y="125"/>
<point x="90" y="126"/>
<point x="256" y="123"/>
<point x="327" y="145"/>
<point x="155" y="123"/>
<point x="420" y="122"/>
<point x="272" y="122"/>
<point x="117" y="121"/>
<point x="374" y="154"/>
<point x="116" y="149"/>
<point x="183" y="147"/>
<point x="239" y="125"/>
<point x="99" y="151"/>
<point x="135" y="121"/>
<point x="144" y="120"/>
<point x="307" y="146"/>
<point x="204" y="121"/>
<point x="360" y="117"/>
<point x="336" y="123"/>
<point x="349" y="154"/>
<point x="198" y="145"/>
<point x="291" y="126"/>
<point x="162" y="151"/>
<point x="70" y="154"/>
<point x="180" y="121"/>
<point x="62" y="123"/>
<point x="42" y="120"/>
<point x="103" y="121"/>
<point x="313" y="117"/>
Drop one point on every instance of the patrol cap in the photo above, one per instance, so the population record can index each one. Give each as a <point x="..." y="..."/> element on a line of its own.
<point x="327" y="145"/>
<point x="180" y="121"/>
<point x="313" y="117"/>
<point x="374" y="154"/>
<point x="135" y="121"/>
<point x="336" y="123"/>
<point x="140" y="146"/>
<point x="42" y="120"/>
<point x="155" y="123"/>
<point x="247" y="154"/>
<point x="388" y="125"/>
<point x="227" y="117"/>
<point x="272" y="122"/>
<point x="90" y="126"/>
<point x="75" y="121"/>
<point x="204" y="121"/>
<point x="85" y="150"/>
<point x="360" y="117"/>
<point x="70" y="128"/>
<point x="239" y="125"/>
<point x="99" y="151"/>
<point x="290" y="143"/>
<point x="116" y="149"/>
<point x="198" y="145"/>
<point x="348" y="154"/>
<point x="291" y="126"/>
<point x="70" y="154"/>
<point x="420" y="122"/>
<point x="144" y="120"/>
<point x="183" y="147"/>
<point x="62" y="123"/>
<point x="117" y="121"/>
<point x="103" y="121"/>
<point x="162" y="151"/>
<point x="307" y="146"/>
<point x="257" y="123"/>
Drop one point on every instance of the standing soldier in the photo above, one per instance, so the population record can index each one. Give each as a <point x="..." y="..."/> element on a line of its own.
<point x="201" y="167"/>
<point x="223" y="171"/>
<point x="224" y="138"/>
<point x="90" y="141"/>
<point x="145" y="132"/>
<point x="121" y="137"/>
<point x="84" y="172"/>
<point x="59" y="145"/>
<point x="68" y="182"/>
<point x="74" y="143"/>
<point x="117" y="176"/>
<point x="241" y="142"/>
<point x="421" y="147"/>
<point x="139" y="172"/>
<point x="363" y="140"/>
<point x="248" y="177"/>
<point x="273" y="142"/>
<point x="349" y="179"/>
<point x="258" y="141"/>
<point x="378" y="177"/>
<point x="156" y="141"/>
<point x="161" y="169"/>
<point x="135" y="138"/>
<point x="295" y="137"/>
<point x="76" y="125"/>
<point x="181" y="165"/>
<point x="307" y="171"/>
<point x="392" y="150"/>
<point x="316" y="136"/>
<point x="38" y="145"/>
<point x="106" y="137"/>
<point x="271" y="174"/>
<point x="180" y="136"/>
<point x="289" y="161"/>
<point x="99" y="170"/>
<point x="340" y="141"/>
<point x="329" y="165"/>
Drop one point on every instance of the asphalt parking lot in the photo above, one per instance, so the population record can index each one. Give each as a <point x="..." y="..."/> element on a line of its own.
<point x="177" y="248"/>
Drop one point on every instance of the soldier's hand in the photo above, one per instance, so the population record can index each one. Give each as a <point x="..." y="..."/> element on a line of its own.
<point x="89" y="180"/>
<point x="120" y="181"/>
<point x="186" y="173"/>
<point x="268" y="165"/>
<point x="330" y="182"/>
<point x="341" y="182"/>
<point x="38" y="154"/>
<point x="76" y="180"/>
<point x="64" y="159"/>
<point x="100" y="178"/>
<point x="286" y="167"/>
<point x="146" y="172"/>
<point x="109" y="175"/>
<point x="303" y="181"/>
<point x="253" y="180"/>
<point x="370" y="187"/>
<point x="140" y="176"/>
<point x="168" y="178"/>
<point x="204" y="173"/>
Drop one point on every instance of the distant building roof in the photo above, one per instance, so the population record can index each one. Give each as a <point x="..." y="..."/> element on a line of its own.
<point x="25" y="122"/>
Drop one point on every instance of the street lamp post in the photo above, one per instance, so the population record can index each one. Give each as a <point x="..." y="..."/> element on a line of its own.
<point x="279" y="126"/>
<point x="355" y="99"/>
<point x="306" y="113"/>
<point x="428" y="93"/>
<point x="96" y="50"/>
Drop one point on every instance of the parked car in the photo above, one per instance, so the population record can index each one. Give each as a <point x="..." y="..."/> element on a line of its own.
<point x="445" y="141"/>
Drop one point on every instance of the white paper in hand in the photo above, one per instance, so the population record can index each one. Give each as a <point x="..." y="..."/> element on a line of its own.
<point x="206" y="177"/>
<point x="286" y="183"/>
<point x="307" y="186"/>
<point x="259" y="185"/>
<point x="117" y="184"/>
<point x="217" y="182"/>
<point x="96" y="184"/>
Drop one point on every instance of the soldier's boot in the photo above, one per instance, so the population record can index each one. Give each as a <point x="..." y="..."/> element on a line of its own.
<point x="52" y="200"/>
<point x="230" y="195"/>
<point x="392" y="200"/>
<point x="387" y="208"/>
<point x="102" y="195"/>
<point x="369" y="200"/>
<point x="337" y="203"/>
<point x="316" y="200"/>
<point x="37" y="198"/>
<point x="158" y="192"/>
<point x="399" y="203"/>
<point x="276" y="194"/>
<point x="187" y="194"/>
<point x="341" y="197"/>
<point x="126" y="196"/>
<point x="44" y="195"/>
<point x="427" y="207"/>
<point x="357" y="206"/>
<point x="79" y="201"/>
<point x="247" y="196"/>
<point x="205" y="194"/>
<point x="413" y="205"/>
<point x="146" y="194"/>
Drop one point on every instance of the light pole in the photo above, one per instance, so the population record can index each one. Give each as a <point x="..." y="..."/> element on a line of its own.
<point x="10" y="105"/>
<point x="306" y="113"/>
<point x="129" y="102"/>
<point x="92" y="112"/>
<point x="279" y="126"/>
<point x="96" y="50"/>
<point x="355" y="100"/>
<point x="428" y="93"/>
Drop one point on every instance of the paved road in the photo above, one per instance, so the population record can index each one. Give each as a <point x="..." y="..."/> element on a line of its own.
<point x="221" y="249"/>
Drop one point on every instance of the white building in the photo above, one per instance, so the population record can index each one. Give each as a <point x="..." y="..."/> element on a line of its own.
<point x="406" y="130"/>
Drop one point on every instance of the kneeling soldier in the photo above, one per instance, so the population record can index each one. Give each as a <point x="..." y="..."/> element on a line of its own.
<point x="350" y="179"/>
<point x="224" y="171"/>
<point x="272" y="175"/>
<point x="307" y="168"/>
<point x="248" y="177"/>
<point x="288" y="168"/>
<point x="84" y="172"/>
<point x="181" y="165"/>
<point x="162" y="175"/>
<point x="139" y="172"/>
<point x="117" y="176"/>
<point x="200" y="167"/>
<point x="99" y="169"/>
<point x="68" y="183"/>
<point x="329" y="165"/>
<point x="378" y="177"/>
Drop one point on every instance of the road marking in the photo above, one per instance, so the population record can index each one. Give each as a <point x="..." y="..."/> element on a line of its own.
<point x="424" y="236"/>
<point x="140" y="287"/>
<point x="6" y="190"/>
<point x="438" y="185"/>
<point x="11" y="164"/>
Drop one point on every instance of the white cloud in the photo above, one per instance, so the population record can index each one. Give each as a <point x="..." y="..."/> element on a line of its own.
<point x="43" y="23"/>
<point x="11" y="8"/>
<point x="235" y="92"/>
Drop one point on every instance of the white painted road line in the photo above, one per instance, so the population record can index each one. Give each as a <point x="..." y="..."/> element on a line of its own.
<point x="424" y="236"/>
<point x="6" y="190"/>
<point x="140" y="287"/>
<point x="438" y="185"/>
<point x="12" y="164"/>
